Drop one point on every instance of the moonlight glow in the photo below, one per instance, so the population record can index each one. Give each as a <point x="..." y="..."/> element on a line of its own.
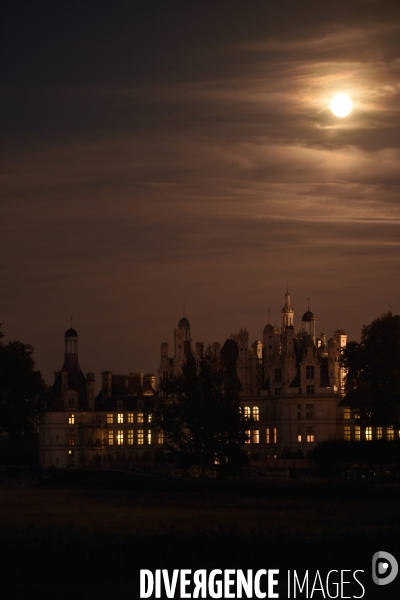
<point x="341" y="105"/>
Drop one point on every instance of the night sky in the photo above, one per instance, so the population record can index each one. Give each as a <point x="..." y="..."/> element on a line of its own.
<point x="171" y="152"/>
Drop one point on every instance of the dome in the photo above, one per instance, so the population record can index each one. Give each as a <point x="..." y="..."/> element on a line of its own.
<point x="268" y="327"/>
<point x="287" y="309"/>
<point x="308" y="316"/>
<point x="184" y="323"/>
<point x="71" y="333"/>
<point x="323" y="350"/>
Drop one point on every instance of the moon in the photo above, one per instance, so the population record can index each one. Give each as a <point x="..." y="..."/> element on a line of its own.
<point x="341" y="105"/>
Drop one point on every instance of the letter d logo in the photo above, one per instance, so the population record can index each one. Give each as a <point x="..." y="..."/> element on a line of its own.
<point x="384" y="568"/>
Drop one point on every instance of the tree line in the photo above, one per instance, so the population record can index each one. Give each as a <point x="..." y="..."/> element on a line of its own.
<point x="23" y="394"/>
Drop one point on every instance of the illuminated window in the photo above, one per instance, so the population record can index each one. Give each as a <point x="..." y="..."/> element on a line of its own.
<point x="120" y="437"/>
<point x="379" y="433"/>
<point x="357" y="433"/>
<point x="309" y="411"/>
<point x="346" y="413"/>
<point x="130" y="437"/>
<point x="267" y="435"/>
<point x="140" y="417"/>
<point x="247" y="432"/>
<point x="368" y="434"/>
<point x="149" y="436"/>
<point x="278" y="375"/>
<point x="347" y="434"/>
<point x="256" y="436"/>
<point x="161" y="436"/>
<point x="310" y="434"/>
<point x="120" y="417"/>
<point x="71" y="442"/>
<point x="110" y="418"/>
<point x="256" y="413"/>
<point x="110" y="438"/>
<point x="309" y="372"/>
<point x="390" y="433"/>
<point x="275" y="435"/>
<point x="70" y="453"/>
<point x="71" y="419"/>
<point x="309" y="389"/>
<point x="149" y="418"/>
<point x="246" y="412"/>
<point x="299" y="411"/>
<point x="130" y="417"/>
<point x="140" y="436"/>
<point x="299" y="434"/>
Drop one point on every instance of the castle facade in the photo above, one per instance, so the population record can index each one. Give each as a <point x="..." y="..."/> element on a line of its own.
<point x="81" y="429"/>
<point x="290" y="382"/>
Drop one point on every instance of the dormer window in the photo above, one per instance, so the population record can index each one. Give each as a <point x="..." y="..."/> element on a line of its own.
<point x="310" y="370"/>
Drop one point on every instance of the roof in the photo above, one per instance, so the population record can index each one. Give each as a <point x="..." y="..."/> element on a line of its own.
<point x="183" y="323"/>
<point x="129" y="387"/>
<point x="308" y="316"/>
<point x="287" y="309"/>
<point x="71" y="333"/>
<point x="76" y="382"/>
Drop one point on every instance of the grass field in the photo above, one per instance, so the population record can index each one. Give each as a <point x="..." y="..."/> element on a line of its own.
<point x="89" y="534"/>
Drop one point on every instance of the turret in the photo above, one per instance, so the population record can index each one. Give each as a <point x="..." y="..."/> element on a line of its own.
<point x="323" y="348"/>
<point x="71" y="343"/>
<point x="185" y="326"/>
<point x="287" y="312"/>
<point x="308" y="324"/>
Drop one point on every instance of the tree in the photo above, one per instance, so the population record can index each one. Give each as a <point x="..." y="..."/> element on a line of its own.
<point x="373" y="377"/>
<point x="22" y="395"/>
<point x="201" y="419"/>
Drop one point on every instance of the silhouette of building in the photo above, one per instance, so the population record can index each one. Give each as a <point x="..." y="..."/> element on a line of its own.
<point x="82" y="429"/>
<point x="290" y="383"/>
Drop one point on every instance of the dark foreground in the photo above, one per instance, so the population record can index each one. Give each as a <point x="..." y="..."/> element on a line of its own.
<point x="87" y="534"/>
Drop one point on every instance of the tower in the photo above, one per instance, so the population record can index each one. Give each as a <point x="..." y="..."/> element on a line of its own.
<point x="287" y="312"/>
<point x="308" y="324"/>
<point x="71" y="389"/>
<point x="71" y="343"/>
<point x="182" y="346"/>
<point x="185" y="326"/>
